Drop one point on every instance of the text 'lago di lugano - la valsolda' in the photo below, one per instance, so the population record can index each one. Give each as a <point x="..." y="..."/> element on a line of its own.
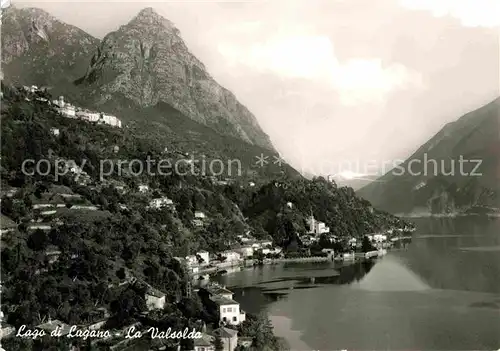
<point x="131" y="333"/>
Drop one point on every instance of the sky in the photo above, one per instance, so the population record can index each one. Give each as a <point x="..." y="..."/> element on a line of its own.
<point x="338" y="85"/>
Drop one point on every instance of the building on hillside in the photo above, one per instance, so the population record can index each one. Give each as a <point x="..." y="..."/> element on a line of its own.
<point x="155" y="299"/>
<point x="228" y="336"/>
<point x="198" y="222"/>
<point x="228" y="310"/>
<point x="205" y="343"/>
<point x="199" y="215"/>
<point x="143" y="188"/>
<point x="51" y="325"/>
<point x="161" y="202"/>
<point x="52" y="254"/>
<point x="317" y="227"/>
<point x="55" y="131"/>
<point x="110" y="120"/>
<point x="87" y="115"/>
<point x="6" y="225"/>
<point x="262" y="244"/>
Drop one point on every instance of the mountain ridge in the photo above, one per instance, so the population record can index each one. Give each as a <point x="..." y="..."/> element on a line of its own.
<point x="474" y="138"/>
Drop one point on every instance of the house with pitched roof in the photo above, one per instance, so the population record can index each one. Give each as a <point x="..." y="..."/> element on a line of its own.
<point x="228" y="336"/>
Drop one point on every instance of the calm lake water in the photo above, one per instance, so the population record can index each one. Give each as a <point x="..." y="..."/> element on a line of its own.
<point x="440" y="293"/>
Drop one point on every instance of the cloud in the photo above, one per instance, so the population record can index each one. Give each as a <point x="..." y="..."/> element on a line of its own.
<point x="312" y="57"/>
<point x="472" y="13"/>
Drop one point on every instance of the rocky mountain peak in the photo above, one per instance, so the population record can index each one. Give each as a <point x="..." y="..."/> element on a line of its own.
<point x="147" y="62"/>
<point x="148" y="18"/>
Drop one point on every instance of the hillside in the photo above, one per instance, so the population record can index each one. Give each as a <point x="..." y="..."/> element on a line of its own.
<point x="416" y="188"/>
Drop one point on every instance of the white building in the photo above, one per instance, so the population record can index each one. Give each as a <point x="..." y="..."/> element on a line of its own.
<point x="155" y="299"/>
<point x="205" y="343"/>
<point x="262" y="244"/>
<point x="231" y="256"/>
<point x="143" y="188"/>
<point x="161" y="202"/>
<point x="55" y="131"/>
<point x="317" y="227"/>
<point x="246" y="251"/>
<point x="109" y="119"/>
<point x="229" y="310"/>
<point x="379" y="238"/>
<point x="199" y="215"/>
<point x="87" y="115"/>
<point x="205" y="255"/>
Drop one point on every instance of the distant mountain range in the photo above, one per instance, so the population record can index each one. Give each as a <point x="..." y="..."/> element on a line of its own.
<point x="433" y="181"/>
<point x="144" y="64"/>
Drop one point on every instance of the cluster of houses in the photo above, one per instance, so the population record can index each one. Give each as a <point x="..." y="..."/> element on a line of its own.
<point x="71" y="111"/>
<point x="246" y="249"/>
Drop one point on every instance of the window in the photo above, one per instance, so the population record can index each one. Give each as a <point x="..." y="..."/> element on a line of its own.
<point x="235" y="319"/>
<point x="230" y="309"/>
<point x="224" y="319"/>
<point x="224" y="310"/>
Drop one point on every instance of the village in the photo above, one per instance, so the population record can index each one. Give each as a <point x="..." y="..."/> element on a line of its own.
<point x="71" y="111"/>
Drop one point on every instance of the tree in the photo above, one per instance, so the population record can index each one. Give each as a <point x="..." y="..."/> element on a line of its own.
<point x="218" y="344"/>
<point x="366" y="245"/>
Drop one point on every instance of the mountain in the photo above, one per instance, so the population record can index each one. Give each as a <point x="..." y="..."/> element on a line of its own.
<point x="41" y="50"/>
<point x="147" y="62"/>
<point x="458" y="170"/>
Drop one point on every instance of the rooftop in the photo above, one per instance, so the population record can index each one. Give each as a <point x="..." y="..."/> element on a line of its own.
<point x="224" y="301"/>
<point x="53" y="324"/>
<point x="224" y="332"/>
<point x="218" y="290"/>
<point x="154" y="292"/>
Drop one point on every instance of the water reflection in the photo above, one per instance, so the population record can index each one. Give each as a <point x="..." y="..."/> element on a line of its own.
<point x="442" y="292"/>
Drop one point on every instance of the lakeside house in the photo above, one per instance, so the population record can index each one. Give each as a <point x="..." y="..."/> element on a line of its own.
<point x="231" y="256"/>
<point x="71" y="111"/>
<point x="216" y="290"/>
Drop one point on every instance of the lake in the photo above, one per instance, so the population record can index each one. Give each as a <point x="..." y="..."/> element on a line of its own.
<point x="442" y="292"/>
